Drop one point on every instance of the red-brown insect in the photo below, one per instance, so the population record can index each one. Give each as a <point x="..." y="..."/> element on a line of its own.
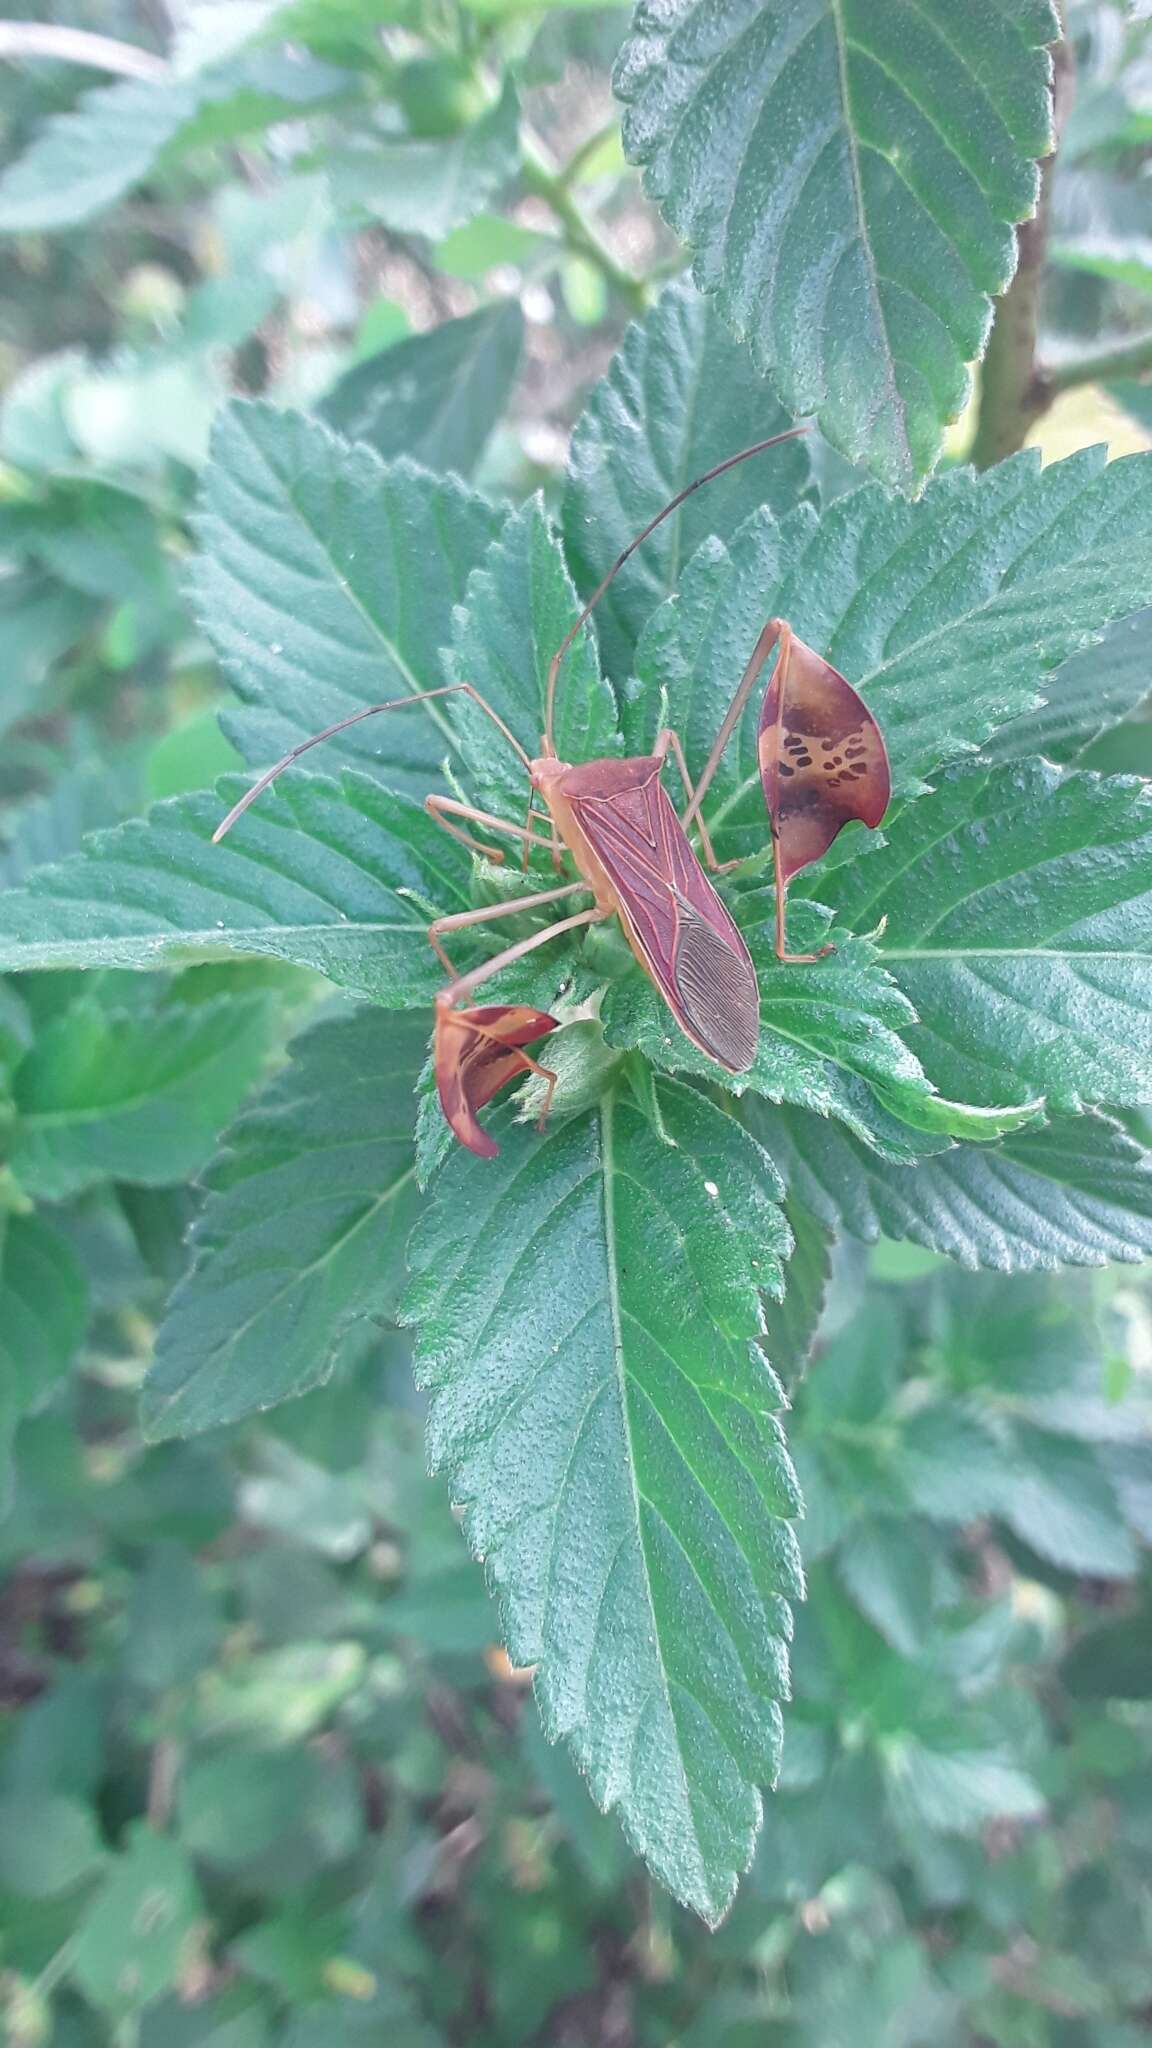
<point x="633" y="854"/>
<point x="822" y="759"/>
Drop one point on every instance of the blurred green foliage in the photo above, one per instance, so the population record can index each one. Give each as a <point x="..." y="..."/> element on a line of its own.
<point x="266" y="1776"/>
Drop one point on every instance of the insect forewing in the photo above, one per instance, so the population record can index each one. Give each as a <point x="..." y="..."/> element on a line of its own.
<point x="677" y="925"/>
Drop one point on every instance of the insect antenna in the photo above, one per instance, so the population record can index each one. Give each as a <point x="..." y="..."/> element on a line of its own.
<point x="709" y="476"/>
<point x="269" y="776"/>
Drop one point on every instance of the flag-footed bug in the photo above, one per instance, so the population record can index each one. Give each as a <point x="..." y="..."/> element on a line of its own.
<point x="822" y="762"/>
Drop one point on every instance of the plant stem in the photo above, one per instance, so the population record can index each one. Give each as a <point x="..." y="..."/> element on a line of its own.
<point x="587" y="149"/>
<point x="78" y="46"/>
<point x="1012" y="395"/>
<point x="162" y="1770"/>
<point x="54" y="1970"/>
<point x="549" y="184"/>
<point x="1123" y="359"/>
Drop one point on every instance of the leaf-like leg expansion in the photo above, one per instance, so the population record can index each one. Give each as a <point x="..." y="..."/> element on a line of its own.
<point x="786" y="958"/>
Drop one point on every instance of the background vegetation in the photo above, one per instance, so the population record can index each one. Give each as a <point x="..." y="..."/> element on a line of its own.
<point x="265" y="1774"/>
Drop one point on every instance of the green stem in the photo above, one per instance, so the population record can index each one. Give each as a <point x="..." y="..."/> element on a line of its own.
<point x="587" y="149"/>
<point x="1124" y="359"/>
<point x="550" y="185"/>
<point x="28" y="1999"/>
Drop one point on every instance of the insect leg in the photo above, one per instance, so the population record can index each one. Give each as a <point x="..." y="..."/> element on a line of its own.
<point x="465" y="983"/>
<point x="532" y="1067"/>
<point x="544" y="818"/>
<point x="786" y="958"/>
<point x="776" y="630"/>
<point x="488" y="913"/>
<point x="436" y="806"/>
<point x="669" y="741"/>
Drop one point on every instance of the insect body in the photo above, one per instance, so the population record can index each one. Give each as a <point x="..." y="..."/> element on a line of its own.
<point x="632" y="853"/>
<point x="619" y="824"/>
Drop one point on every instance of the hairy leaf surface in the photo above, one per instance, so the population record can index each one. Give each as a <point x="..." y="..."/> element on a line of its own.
<point x="1019" y="923"/>
<point x="846" y="173"/>
<point x="588" y="1310"/>
<point x="680" y="395"/>
<point x="1076" y="1192"/>
<point x="326" y="582"/>
<point x="310" y="1201"/>
<point x="949" y="616"/>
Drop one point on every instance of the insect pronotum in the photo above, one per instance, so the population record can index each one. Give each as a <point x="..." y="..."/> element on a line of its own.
<point x="822" y="761"/>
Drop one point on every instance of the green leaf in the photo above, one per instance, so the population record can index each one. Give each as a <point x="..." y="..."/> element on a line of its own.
<point x="948" y="615"/>
<point x="292" y="1951"/>
<point x="1135" y="396"/>
<point x="791" y="1324"/>
<point x="40" y="620"/>
<point x="1111" y="1662"/>
<point x="1077" y="1192"/>
<point x="88" y="795"/>
<point x="342" y="877"/>
<point x="129" y="1095"/>
<point x="491" y="241"/>
<point x="822" y="1027"/>
<point x="847" y="173"/>
<point x="132" y="1942"/>
<point x="389" y="2015"/>
<point x="845" y="1012"/>
<point x="308" y="1206"/>
<point x="434" y="396"/>
<point x="1093" y="692"/>
<point x="588" y="1310"/>
<point x="427" y="188"/>
<point x="282" y="1696"/>
<point x="1061" y="1503"/>
<point x="1017" y="923"/>
<point x="518" y="605"/>
<point x="15" y="1028"/>
<point x="47" y="1845"/>
<point x="188" y="756"/>
<point x="173" y="1624"/>
<point x="100" y="540"/>
<point x="237" y="2018"/>
<point x="679" y="396"/>
<point x="143" y="408"/>
<point x="889" y="1578"/>
<point x="83" y="161"/>
<point x="43" y="1318"/>
<point x="313" y="552"/>
<point x="239" y="1806"/>
<point x="959" y="1791"/>
<point x="954" y="1465"/>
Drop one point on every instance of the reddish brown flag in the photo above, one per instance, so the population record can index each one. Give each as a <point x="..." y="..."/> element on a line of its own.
<point x="822" y="755"/>
<point x="476" y="1051"/>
